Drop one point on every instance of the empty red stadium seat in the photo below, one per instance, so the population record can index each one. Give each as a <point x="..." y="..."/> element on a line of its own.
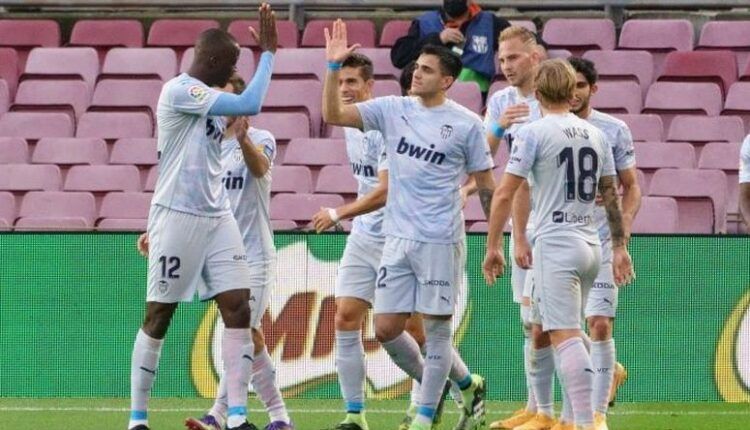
<point x="126" y="94"/>
<point x="300" y="63"/>
<point x="7" y="210"/>
<point x="245" y="63"/>
<point x="623" y="65"/>
<point x="384" y="88"/>
<point x="69" y="151"/>
<point x="283" y="225"/>
<point x="35" y="125"/>
<point x="153" y="175"/>
<point x="563" y="54"/>
<point x="738" y="102"/>
<point x="653" y="156"/>
<point x="358" y="31"/>
<point x="29" y="32"/>
<point x="529" y="25"/>
<point x="125" y="211"/>
<point x="291" y="179"/>
<point x="579" y="35"/>
<point x="56" y="211"/>
<point x="732" y="35"/>
<point x="63" y="63"/>
<point x="698" y="129"/>
<point x="140" y="151"/>
<point x="9" y="68"/>
<point x="283" y="125"/>
<point x="140" y="63"/>
<point x="719" y="67"/>
<point x="72" y="97"/>
<point x="296" y="95"/>
<point x="13" y="150"/>
<point x="316" y="152"/>
<point x="4" y="96"/>
<point x="618" y="97"/>
<point x="381" y="62"/>
<point x="103" y="178"/>
<point x="657" y="215"/>
<point x="107" y="33"/>
<point x="466" y="94"/>
<point x="657" y="36"/>
<point x="392" y="31"/>
<point x="26" y="177"/>
<point x="723" y="156"/>
<point x="287" y="31"/>
<point x="673" y="98"/>
<point x="473" y="210"/>
<point x="643" y="127"/>
<point x="178" y="33"/>
<point x="301" y="207"/>
<point x="479" y="227"/>
<point x="691" y="188"/>
<point x="115" y="125"/>
<point x="336" y="180"/>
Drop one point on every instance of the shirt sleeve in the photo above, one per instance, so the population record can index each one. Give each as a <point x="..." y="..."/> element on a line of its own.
<point x="382" y="158"/>
<point x="477" y="150"/>
<point x="608" y="162"/>
<point x="493" y="111"/>
<point x="193" y="97"/>
<point x="745" y="161"/>
<point x="266" y="144"/>
<point x="523" y="153"/>
<point x="373" y="112"/>
<point x="623" y="150"/>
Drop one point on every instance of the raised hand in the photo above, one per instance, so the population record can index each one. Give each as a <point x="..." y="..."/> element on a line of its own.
<point x="268" y="39"/>
<point x="336" y="43"/>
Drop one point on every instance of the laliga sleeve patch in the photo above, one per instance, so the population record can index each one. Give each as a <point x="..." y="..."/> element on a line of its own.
<point x="199" y="93"/>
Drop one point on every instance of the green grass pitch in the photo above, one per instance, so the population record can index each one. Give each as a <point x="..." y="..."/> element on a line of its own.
<point x="168" y="414"/>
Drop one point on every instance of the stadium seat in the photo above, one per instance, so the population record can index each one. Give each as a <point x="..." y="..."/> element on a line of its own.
<point x="301" y="207"/>
<point x="13" y="150"/>
<point x="732" y="35"/>
<point x="124" y="211"/>
<point x="62" y="63"/>
<point x="657" y="36"/>
<point x="72" y="97"/>
<point x="479" y="227"/>
<point x="139" y="151"/>
<point x="35" y="125"/>
<point x="700" y="129"/>
<point x="669" y="99"/>
<point x="245" y="63"/>
<point x="153" y="175"/>
<point x="316" y="152"/>
<point x="719" y="67"/>
<point x="126" y="94"/>
<point x="618" y="97"/>
<point x="9" y="68"/>
<point x="529" y="25"/>
<point x="644" y="128"/>
<point x="70" y="151"/>
<point x="624" y="65"/>
<point x="115" y="125"/>
<point x="387" y="87"/>
<point x="579" y="35"/>
<point x="56" y="211"/>
<point x="4" y="96"/>
<point x="177" y="34"/>
<point x="103" y="178"/>
<point x="738" y="102"/>
<point x="287" y="30"/>
<point x="300" y="63"/>
<point x="336" y="180"/>
<point x="468" y="95"/>
<point x="392" y="31"/>
<point x="562" y="54"/>
<point x="283" y="225"/>
<point x="291" y="179"/>
<point x="652" y="156"/>
<point x="107" y="33"/>
<point x="642" y="182"/>
<point x="745" y="73"/>
<point x="26" y="177"/>
<point x="473" y="210"/>
<point x="28" y="33"/>
<point x="381" y="62"/>
<point x="691" y="188"/>
<point x="296" y="95"/>
<point x="140" y="63"/>
<point x="657" y="215"/>
<point x="360" y="31"/>
<point x="283" y="125"/>
<point x="723" y="156"/>
<point x="7" y="210"/>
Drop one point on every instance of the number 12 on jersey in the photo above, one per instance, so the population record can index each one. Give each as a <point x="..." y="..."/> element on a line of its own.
<point x="582" y="184"/>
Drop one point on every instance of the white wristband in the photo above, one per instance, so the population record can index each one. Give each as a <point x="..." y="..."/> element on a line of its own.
<point x="334" y="216"/>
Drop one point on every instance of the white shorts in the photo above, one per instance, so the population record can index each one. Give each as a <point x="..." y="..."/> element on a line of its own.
<point x="359" y="268"/>
<point x="262" y="275"/>
<point x="190" y="253"/>
<point x="419" y="277"/>
<point x="564" y="272"/>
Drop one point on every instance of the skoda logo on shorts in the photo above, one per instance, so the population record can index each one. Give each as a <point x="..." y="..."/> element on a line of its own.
<point x="732" y="370"/>
<point x="163" y="286"/>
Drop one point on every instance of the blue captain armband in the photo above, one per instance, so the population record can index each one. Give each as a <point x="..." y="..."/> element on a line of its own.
<point x="497" y="131"/>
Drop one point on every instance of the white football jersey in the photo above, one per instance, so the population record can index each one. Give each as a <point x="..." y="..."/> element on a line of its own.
<point x="189" y="149"/>
<point x="566" y="157"/>
<point x="745" y="161"/>
<point x="428" y="151"/>
<point x="619" y="140"/>
<point x="250" y="197"/>
<point x="366" y="154"/>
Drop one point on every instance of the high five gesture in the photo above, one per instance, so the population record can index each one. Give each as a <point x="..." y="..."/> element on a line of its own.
<point x="268" y="38"/>
<point x="336" y="43"/>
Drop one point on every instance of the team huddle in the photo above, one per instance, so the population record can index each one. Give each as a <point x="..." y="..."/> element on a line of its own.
<point x="210" y="232"/>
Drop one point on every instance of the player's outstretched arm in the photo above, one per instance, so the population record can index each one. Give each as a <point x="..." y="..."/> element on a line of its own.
<point x="631" y="199"/>
<point x="502" y="200"/>
<point x="521" y="210"/>
<point x="622" y="264"/>
<point x="745" y="203"/>
<point x="335" y="112"/>
<point x="370" y="202"/>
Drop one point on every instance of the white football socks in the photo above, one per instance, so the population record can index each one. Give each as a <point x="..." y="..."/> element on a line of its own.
<point x="143" y="367"/>
<point x="350" y="365"/>
<point x="603" y="362"/>
<point x="541" y="372"/>
<point x="237" y="354"/>
<point x="578" y="378"/>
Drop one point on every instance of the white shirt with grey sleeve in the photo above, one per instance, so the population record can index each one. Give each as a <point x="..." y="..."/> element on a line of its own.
<point x="366" y="154"/>
<point x="189" y="149"/>
<point x="428" y="151"/>
<point x="565" y="156"/>
<point x="745" y="161"/>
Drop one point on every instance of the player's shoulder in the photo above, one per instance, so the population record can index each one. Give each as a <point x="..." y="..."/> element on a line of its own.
<point x="463" y="113"/>
<point x="607" y="122"/>
<point x="503" y="96"/>
<point x="745" y="148"/>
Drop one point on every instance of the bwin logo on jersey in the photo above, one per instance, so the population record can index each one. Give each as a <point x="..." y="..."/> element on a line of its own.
<point x="416" y="151"/>
<point x="361" y="169"/>
<point x="446" y="131"/>
<point x="233" y="182"/>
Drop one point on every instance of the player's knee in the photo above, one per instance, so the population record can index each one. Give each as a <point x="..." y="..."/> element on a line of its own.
<point x="348" y="318"/>
<point x="236" y="315"/>
<point x="386" y="332"/>
<point x="539" y="338"/>
<point x="259" y="341"/>
<point x="157" y="319"/>
<point x="600" y="328"/>
<point x="417" y="332"/>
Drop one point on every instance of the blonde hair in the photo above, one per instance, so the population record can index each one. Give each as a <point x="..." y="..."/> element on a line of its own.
<point x="525" y="35"/>
<point x="555" y="81"/>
